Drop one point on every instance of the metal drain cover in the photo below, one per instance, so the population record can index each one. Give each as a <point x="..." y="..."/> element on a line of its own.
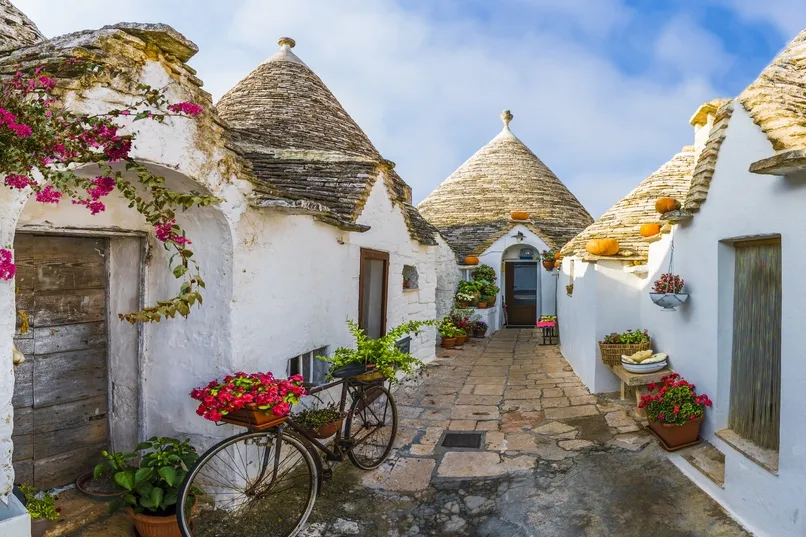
<point x="462" y="440"/>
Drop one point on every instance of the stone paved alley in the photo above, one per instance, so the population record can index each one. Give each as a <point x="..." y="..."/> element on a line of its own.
<point x="554" y="461"/>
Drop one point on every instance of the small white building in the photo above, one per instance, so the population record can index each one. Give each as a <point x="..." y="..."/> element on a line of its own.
<point x="739" y="246"/>
<point x="314" y="227"/>
<point x="473" y="211"/>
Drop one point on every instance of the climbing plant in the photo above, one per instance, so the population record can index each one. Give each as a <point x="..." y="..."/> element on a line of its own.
<point x="43" y="144"/>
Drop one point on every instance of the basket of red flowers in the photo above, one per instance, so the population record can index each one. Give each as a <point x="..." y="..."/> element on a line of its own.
<point x="256" y="400"/>
<point x="675" y="411"/>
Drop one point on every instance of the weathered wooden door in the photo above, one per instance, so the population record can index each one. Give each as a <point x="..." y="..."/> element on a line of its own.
<point x="60" y="394"/>
<point x="521" y="293"/>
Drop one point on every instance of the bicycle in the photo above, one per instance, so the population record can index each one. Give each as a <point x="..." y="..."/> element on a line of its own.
<point x="265" y="481"/>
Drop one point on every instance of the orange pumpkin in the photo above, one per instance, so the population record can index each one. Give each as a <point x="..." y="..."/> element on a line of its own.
<point x="602" y="247"/>
<point x="557" y="263"/>
<point x="471" y="260"/>
<point x="520" y="215"/>
<point x="666" y="205"/>
<point x="558" y="255"/>
<point x="648" y="230"/>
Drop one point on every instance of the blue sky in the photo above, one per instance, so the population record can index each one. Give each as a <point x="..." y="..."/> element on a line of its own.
<point x="601" y="90"/>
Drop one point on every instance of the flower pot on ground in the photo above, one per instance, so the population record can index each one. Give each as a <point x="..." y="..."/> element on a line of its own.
<point x="41" y="507"/>
<point x="152" y="488"/>
<point x="448" y="342"/>
<point x="449" y="333"/>
<point x="461" y="339"/>
<point x="614" y="345"/>
<point x="100" y="483"/>
<point x="320" y="422"/>
<point x="667" y="291"/>
<point x="674" y="410"/>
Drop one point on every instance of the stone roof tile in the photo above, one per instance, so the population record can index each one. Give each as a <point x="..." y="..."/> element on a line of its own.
<point x="474" y="204"/>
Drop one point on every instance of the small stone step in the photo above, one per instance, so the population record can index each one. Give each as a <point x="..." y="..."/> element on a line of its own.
<point x="708" y="460"/>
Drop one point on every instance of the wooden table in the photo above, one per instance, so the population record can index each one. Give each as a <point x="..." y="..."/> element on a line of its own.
<point x="636" y="382"/>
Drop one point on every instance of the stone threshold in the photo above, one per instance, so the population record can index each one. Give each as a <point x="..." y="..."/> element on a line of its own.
<point x="766" y="458"/>
<point x="708" y="460"/>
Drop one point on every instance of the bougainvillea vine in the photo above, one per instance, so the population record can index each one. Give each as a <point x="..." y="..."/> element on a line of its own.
<point x="44" y="144"/>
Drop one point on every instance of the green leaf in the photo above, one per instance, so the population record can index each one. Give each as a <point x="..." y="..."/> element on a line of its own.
<point x="180" y="271"/>
<point x="168" y="474"/>
<point x="147" y="502"/>
<point x="125" y="479"/>
<point x="130" y="499"/>
<point x="98" y="471"/>
<point x="142" y="475"/>
<point x="157" y="495"/>
<point x="140" y="115"/>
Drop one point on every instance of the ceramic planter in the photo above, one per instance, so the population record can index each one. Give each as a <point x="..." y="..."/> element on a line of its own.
<point x="326" y="431"/>
<point x="675" y="436"/>
<point x="154" y="526"/>
<point x="40" y="525"/>
<point x="548" y="264"/>
<point x="668" y="301"/>
<point x="85" y="484"/>
<point x="448" y="342"/>
<point x="460" y="340"/>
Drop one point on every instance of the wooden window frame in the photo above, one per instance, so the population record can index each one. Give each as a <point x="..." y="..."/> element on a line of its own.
<point x="383" y="256"/>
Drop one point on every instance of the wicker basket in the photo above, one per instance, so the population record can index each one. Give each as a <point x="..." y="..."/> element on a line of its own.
<point x="611" y="352"/>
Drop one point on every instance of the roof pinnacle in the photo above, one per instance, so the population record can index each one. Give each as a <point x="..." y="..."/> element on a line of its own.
<point x="286" y="42"/>
<point x="506" y="116"/>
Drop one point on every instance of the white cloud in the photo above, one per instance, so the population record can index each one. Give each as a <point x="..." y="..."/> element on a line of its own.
<point x="787" y="16"/>
<point x="428" y="86"/>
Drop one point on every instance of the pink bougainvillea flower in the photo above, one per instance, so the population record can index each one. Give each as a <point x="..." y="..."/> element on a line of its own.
<point x="48" y="195"/>
<point x="186" y="108"/>
<point x="7" y="267"/>
<point x="18" y="181"/>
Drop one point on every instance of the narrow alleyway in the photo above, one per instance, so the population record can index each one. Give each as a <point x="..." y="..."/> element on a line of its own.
<point x="553" y="460"/>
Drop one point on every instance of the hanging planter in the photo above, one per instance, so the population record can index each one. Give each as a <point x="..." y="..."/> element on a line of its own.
<point x="669" y="301"/>
<point x="548" y="259"/>
<point x="667" y="291"/>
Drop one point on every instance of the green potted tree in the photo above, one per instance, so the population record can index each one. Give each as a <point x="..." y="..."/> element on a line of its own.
<point x="151" y="488"/>
<point x="381" y="354"/>
<point x="320" y="422"/>
<point x="41" y="507"/>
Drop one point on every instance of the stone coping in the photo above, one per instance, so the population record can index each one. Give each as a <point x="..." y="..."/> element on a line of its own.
<point x="766" y="458"/>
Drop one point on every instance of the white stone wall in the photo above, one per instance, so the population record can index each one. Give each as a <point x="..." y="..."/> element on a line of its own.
<point x="448" y="276"/>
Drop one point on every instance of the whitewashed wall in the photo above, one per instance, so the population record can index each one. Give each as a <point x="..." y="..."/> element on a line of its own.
<point x="448" y="277"/>
<point x="698" y="336"/>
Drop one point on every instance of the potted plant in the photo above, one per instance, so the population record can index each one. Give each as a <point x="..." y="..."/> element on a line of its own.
<point x="489" y="291"/>
<point x="100" y="484"/>
<point x="42" y="508"/>
<point x="616" y="344"/>
<point x="249" y="399"/>
<point x="382" y="352"/>
<point x="152" y="488"/>
<point x="461" y="320"/>
<point x="484" y="273"/>
<point x="548" y="259"/>
<point x="479" y="329"/>
<point x="448" y="333"/>
<point x="320" y="422"/>
<point x="675" y="411"/>
<point x="667" y="291"/>
<point x="470" y="288"/>
<point x="569" y="289"/>
<point x="463" y="300"/>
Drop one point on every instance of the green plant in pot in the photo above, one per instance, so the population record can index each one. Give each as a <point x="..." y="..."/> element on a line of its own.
<point x="42" y="508"/>
<point x="449" y="332"/>
<point x="471" y="288"/>
<point x="320" y="422"/>
<point x="484" y="273"/>
<point x="490" y="291"/>
<point x="383" y="352"/>
<point x="152" y="488"/>
<point x="100" y="483"/>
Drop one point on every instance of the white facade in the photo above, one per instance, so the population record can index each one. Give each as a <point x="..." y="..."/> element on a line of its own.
<point x="698" y="337"/>
<point x="278" y="285"/>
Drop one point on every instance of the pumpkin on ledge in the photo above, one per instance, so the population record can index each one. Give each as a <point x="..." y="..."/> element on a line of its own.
<point x="649" y="230"/>
<point x="666" y="205"/>
<point x="520" y="215"/>
<point x="471" y="260"/>
<point x="602" y="247"/>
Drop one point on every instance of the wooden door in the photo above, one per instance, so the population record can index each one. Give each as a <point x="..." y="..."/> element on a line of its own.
<point x="521" y="293"/>
<point x="60" y="393"/>
<point x="373" y="291"/>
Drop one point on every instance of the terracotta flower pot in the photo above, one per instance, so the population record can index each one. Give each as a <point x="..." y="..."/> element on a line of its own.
<point x="481" y="305"/>
<point x="462" y="305"/>
<point x="460" y="340"/>
<point x="479" y="333"/>
<point x="40" y="525"/>
<point x="448" y="342"/>
<point x="677" y="435"/>
<point x="326" y="431"/>
<point x="548" y="264"/>
<point x="154" y="526"/>
<point x="250" y="414"/>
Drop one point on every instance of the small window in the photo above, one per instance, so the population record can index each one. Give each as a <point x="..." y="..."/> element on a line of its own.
<point x="404" y="345"/>
<point x="312" y="369"/>
<point x="410" y="277"/>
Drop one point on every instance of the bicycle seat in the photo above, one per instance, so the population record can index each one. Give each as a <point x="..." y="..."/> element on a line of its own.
<point x="349" y="370"/>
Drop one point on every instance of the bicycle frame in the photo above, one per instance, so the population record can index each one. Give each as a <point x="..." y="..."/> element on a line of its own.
<point x="337" y="454"/>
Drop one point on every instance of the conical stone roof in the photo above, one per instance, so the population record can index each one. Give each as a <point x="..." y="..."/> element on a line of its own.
<point x="16" y="30"/>
<point x="283" y="105"/>
<point x="472" y="208"/>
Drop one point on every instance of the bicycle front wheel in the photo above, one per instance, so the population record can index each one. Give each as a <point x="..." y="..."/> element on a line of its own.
<point x="251" y="485"/>
<point x="371" y="427"/>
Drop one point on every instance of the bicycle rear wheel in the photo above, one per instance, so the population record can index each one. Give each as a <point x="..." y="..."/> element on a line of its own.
<point x="250" y="485"/>
<point x="371" y="427"/>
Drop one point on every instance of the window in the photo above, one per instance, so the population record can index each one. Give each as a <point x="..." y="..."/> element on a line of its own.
<point x="404" y="345"/>
<point x="755" y="384"/>
<point x="312" y="369"/>
<point x="372" y="292"/>
<point x="411" y="280"/>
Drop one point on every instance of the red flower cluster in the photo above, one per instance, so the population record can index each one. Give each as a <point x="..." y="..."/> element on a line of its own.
<point x="185" y="108"/>
<point x="7" y="267"/>
<point x="669" y="283"/>
<point x="241" y="389"/>
<point x="462" y="322"/>
<point x="9" y="120"/>
<point x="165" y="232"/>
<point x="674" y="401"/>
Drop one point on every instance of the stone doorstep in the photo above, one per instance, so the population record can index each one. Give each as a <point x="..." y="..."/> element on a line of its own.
<point x="766" y="458"/>
<point x="708" y="460"/>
